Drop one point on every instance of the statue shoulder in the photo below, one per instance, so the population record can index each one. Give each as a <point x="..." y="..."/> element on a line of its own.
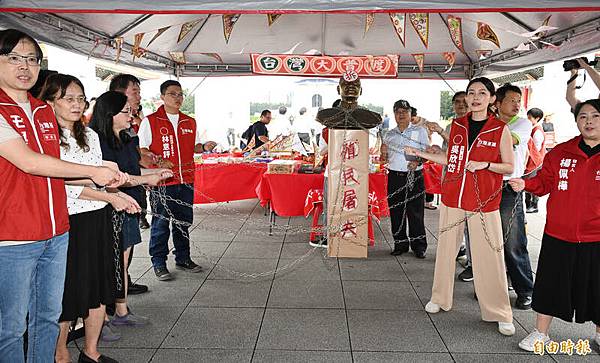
<point x="367" y="118"/>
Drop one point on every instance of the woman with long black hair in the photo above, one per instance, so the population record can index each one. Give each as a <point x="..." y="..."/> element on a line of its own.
<point x="111" y="119"/>
<point x="479" y="154"/>
<point x="90" y="282"/>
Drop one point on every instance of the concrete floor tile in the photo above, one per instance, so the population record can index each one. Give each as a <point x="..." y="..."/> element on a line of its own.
<point x="306" y="294"/>
<point x="300" y="356"/>
<point x="230" y="328"/>
<point x="303" y="329"/>
<point x="399" y="331"/>
<point x="232" y="293"/>
<point x="384" y="295"/>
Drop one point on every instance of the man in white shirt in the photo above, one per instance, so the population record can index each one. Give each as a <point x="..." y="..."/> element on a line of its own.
<point x="516" y="256"/>
<point x="170" y="138"/>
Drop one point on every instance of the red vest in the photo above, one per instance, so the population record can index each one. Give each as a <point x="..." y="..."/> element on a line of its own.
<point x="177" y="146"/>
<point x="32" y="208"/>
<point x="458" y="189"/>
<point x="573" y="181"/>
<point x="535" y="156"/>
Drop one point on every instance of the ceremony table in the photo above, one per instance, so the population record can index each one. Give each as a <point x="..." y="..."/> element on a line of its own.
<point x="227" y="182"/>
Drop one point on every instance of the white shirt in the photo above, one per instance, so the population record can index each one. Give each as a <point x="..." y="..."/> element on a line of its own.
<point x="520" y="128"/>
<point x="145" y="131"/>
<point x="75" y="154"/>
<point x="538" y="139"/>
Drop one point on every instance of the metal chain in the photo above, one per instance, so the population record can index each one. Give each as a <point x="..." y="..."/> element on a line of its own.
<point x="117" y="221"/>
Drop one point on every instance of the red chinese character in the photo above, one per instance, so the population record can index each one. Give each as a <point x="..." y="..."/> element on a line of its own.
<point x="350" y="150"/>
<point x="350" y="200"/>
<point x="349" y="228"/>
<point x="349" y="177"/>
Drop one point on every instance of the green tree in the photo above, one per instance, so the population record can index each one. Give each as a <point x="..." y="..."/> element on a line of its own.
<point x="374" y="108"/>
<point x="446" y="111"/>
<point x="187" y="106"/>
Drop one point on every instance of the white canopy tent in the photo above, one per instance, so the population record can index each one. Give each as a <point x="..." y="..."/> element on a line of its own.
<point x="310" y="27"/>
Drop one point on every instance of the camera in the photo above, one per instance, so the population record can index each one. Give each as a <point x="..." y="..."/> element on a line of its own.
<point x="573" y="64"/>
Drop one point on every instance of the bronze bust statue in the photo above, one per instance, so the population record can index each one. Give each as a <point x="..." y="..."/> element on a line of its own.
<point x="349" y="115"/>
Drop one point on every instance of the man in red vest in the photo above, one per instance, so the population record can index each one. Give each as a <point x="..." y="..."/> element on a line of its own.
<point x="34" y="221"/>
<point x="537" y="151"/>
<point x="171" y="138"/>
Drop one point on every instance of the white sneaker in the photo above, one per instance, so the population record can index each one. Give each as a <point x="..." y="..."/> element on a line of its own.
<point x="507" y="329"/>
<point x="528" y="343"/>
<point x="432" y="308"/>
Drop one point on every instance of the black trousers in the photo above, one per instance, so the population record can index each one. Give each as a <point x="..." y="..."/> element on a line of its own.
<point x="415" y="211"/>
<point x="531" y="200"/>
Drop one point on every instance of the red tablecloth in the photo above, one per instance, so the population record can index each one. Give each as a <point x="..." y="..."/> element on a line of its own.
<point x="287" y="192"/>
<point x="227" y="182"/>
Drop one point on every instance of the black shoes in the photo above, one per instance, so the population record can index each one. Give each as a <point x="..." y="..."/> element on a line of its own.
<point x="466" y="275"/>
<point x="162" y="274"/>
<point x="523" y="303"/>
<point x="189" y="266"/>
<point x="399" y="248"/>
<point x="531" y="210"/>
<point x="83" y="358"/>
<point x="144" y="223"/>
<point x="135" y="289"/>
<point x="420" y="254"/>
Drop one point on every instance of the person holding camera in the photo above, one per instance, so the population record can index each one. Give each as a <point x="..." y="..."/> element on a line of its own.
<point x="574" y="65"/>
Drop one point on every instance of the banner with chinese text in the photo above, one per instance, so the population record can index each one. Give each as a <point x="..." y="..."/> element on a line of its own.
<point x="348" y="193"/>
<point x="385" y="66"/>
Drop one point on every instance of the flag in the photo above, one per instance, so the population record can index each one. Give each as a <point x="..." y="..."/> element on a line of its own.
<point x="158" y="34"/>
<point x="399" y="22"/>
<point x="369" y="20"/>
<point x="450" y="57"/>
<point x="177" y="57"/>
<point x="454" y="24"/>
<point x="119" y="46"/>
<point x="186" y="28"/>
<point x="485" y="32"/>
<point x="272" y="17"/>
<point x="420" y="59"/>
<point x="229" y="21"/>
<point x="420" y="21"/>
<point x="137" y="51"/>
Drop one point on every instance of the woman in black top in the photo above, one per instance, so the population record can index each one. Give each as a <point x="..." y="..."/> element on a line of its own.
<point x="111" y="120"/>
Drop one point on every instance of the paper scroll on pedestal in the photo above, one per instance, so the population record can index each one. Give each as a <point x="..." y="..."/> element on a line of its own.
<point x="348" y="193"/>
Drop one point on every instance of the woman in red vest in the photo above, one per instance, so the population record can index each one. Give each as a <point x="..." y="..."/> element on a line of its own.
<point x="34" y="222"/>
<point x="479" y="154"/>
<point x="567" y="281"/>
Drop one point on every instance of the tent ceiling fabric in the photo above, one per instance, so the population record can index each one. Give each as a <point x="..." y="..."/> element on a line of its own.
<point x="338" y="32"/>
<point x="135" y="6"/>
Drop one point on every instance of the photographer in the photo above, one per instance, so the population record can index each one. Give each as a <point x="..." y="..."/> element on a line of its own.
<point x="582" y="63"/>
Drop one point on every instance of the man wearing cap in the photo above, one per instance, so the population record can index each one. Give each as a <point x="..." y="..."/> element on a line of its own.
<point x="401" y="188"/>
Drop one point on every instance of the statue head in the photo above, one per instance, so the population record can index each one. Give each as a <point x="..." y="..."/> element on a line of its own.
<point x="349" y="87"/>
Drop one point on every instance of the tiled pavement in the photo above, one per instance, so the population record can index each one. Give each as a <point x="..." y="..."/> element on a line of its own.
<point x="314" y="308"/>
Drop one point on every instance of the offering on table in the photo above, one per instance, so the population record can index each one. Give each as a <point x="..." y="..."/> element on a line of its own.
<point x="281" y="167"/>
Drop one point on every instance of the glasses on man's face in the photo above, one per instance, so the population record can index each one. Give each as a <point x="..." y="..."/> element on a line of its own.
<point x="71" y="99"/>
<point x="17" y="59"/>
<point x="127" y="111"/>
<point x="175" y="94"/>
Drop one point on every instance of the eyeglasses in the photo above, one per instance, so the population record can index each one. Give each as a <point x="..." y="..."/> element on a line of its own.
<point x="71" y="100"/>
<point x="128" y="111"/>
<point x="17" y="59"/>
<point x="175" y="95"/>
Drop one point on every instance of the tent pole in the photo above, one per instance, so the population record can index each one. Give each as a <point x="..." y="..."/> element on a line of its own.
<point x="515" y="20"/>
<point x="132" y="25"/>
<point x="323" y="27"/>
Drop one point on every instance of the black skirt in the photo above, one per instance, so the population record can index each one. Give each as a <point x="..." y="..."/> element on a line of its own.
<point x="90" y="278"/>
<point x="567" y="281"/>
